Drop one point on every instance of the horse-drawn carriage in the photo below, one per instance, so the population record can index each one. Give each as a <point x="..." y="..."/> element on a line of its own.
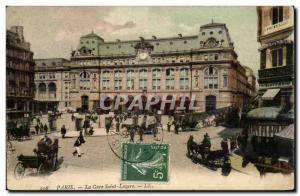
<point x="201" y="153"/>
<point x="18" y="130"/>
<point x="44" y="160"/>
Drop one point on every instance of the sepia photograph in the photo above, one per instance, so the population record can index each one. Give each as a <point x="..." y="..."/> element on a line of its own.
<point x="150" y="98"/>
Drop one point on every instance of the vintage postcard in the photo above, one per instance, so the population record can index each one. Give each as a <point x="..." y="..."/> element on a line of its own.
<point x="150" y="98"/>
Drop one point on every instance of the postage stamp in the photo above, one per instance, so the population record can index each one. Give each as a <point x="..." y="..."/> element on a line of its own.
<point x="156" y="168"/>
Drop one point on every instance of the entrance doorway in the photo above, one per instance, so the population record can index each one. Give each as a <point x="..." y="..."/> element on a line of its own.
<point x="210" y="103"/>
<point x="84" y="103"/>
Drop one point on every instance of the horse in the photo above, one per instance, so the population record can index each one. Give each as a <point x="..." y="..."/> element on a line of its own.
<point x="263" y="168"/>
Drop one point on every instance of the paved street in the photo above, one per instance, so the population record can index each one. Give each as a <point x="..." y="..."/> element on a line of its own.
<point x="100" y="166"/>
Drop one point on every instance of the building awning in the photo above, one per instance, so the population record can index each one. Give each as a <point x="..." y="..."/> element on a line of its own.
<point x="270" y="94"/>
<point x="287" y="132"/>
<point x="267" y="113"/>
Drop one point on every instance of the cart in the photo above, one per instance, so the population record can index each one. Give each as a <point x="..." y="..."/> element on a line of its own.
<point x="43" y="162"/>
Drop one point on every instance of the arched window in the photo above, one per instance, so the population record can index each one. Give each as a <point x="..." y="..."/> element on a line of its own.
<point x="84" y="81"/>
<point x="118" y="80"/>
<point x="52" y="87"/>
<point x="143" y="79"/>
<point x="170" y="73"/>
<point x="42" y="88"/>
<point x="184" y="79"/>
<point x="52" y="90"/>
<point x="156" y="76"/>
<point x="211" y="78"/>
<point x="130" y="80"/>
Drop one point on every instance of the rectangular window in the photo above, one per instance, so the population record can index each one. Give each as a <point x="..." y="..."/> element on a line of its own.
<point x="277" y="14"/>
<point x="277" y="57"/>
<point x="156" y="84"/>
<point x="170" y="84"/>
<point x="105" y="84"/>
<point x="205" y="82"/>
<point x="215" y="82"/>
<point x="130" y="84"/>
<point x="184" y="83"/>
<point x="118" y="84"/>
<point x="225" y="81"/>
<point x="143" y="84"/>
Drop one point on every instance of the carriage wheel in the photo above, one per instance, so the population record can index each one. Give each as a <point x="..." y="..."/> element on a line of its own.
<point x="42" y="170"/>
<point x="19" y="171"/>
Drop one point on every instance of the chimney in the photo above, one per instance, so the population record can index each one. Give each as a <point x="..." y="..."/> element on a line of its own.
<point x="19" y="31"/>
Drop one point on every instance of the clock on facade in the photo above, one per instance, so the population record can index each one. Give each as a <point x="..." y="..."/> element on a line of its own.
<point x="211" y="43"/>
<point x="143" y="55"/>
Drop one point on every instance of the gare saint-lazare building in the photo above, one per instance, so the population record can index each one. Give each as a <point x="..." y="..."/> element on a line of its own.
<point x="204" y="65"/>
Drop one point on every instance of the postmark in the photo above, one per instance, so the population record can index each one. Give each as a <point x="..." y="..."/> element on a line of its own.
<point x="155" y="169"/>
<point x="117" y="139"/>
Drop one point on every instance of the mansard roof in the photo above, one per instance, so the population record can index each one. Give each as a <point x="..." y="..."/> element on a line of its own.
<point x="216" y="32"/>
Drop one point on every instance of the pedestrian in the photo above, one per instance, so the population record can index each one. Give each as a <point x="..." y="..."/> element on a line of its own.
<point x="176" y="126"/>
<point x="132" y="133"/>
<point x="91" y="131"/>
<point x="85" y="125"/>
<point x="41" y="127"/>
<point x="191" y="145"/>
<point x="108" y="122"/>
<point x="143" y="127"/>
<point x="169" y="126"/>
<point x="45" y="128"/>
<point x="63" y="131"/>
<point x="72" y="117"/>
<point x="37" y="129"/>
<point x="79" y="141"/>
<point x="117" y="124"/>
<point x="206" y="141"/>
<point x="38" y="120"/>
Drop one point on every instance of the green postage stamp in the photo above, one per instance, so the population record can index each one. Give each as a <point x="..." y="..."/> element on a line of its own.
<point x="145" y="162"/>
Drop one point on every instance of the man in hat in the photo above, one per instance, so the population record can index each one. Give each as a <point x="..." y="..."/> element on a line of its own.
<point x="79" y="141"/>
<point x="63" y="131"/>
<point x="143" y="127"/>
<point x="108" y="121"/>
<point x="206" y="141"/>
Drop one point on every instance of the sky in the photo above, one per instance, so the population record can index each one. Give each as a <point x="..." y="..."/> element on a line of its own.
<point x="54" y="31"/>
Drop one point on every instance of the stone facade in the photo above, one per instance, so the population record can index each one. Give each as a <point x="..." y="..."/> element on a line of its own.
<point x="276" y="35"/>
<point x="204" y="65"/>
<point x="19" y="74"/>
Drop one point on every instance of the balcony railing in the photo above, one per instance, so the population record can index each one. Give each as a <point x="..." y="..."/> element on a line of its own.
<point x="276" y="72"/>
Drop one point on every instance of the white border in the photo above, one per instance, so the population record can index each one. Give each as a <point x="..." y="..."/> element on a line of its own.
<point x="3" y="3"/>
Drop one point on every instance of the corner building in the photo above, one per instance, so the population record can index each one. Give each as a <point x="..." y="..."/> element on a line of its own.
<point x="204" y="65"/>
<point x="19" y="76"/>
